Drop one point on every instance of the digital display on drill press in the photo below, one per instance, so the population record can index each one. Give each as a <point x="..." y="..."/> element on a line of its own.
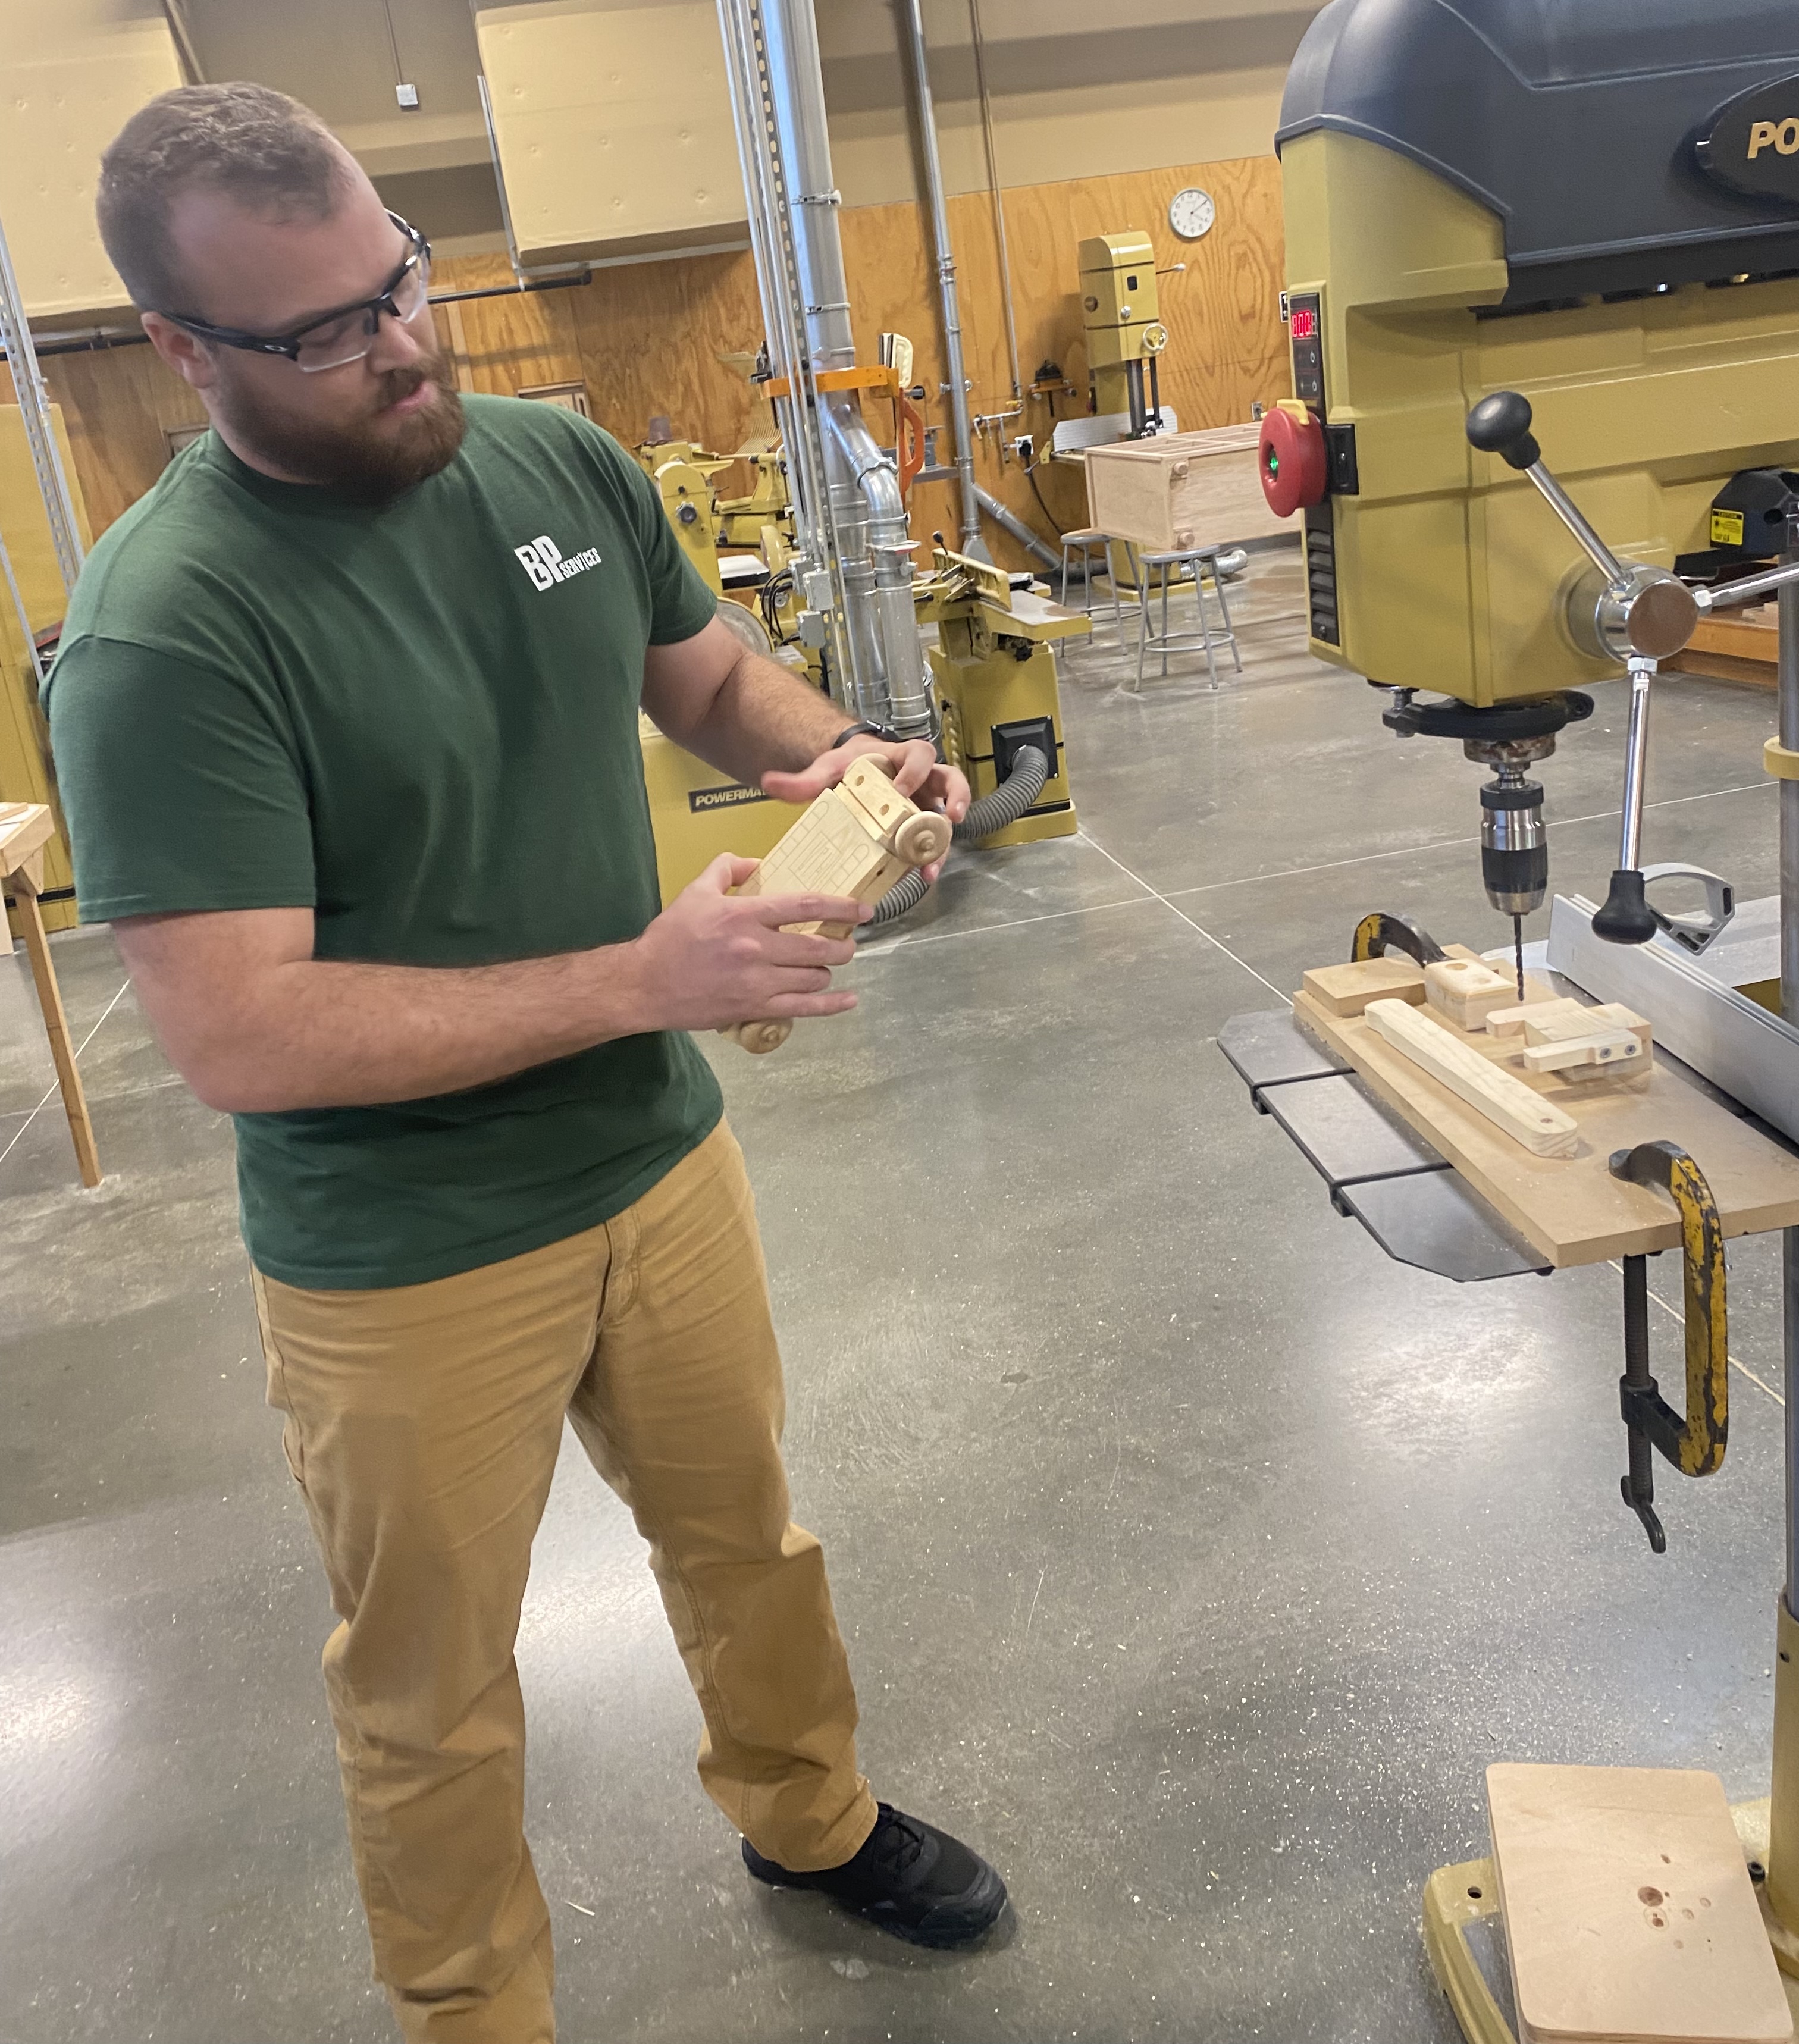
<point x="1305" y="322"/>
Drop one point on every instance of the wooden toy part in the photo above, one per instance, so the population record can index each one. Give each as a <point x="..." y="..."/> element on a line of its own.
<point x="848" y="844"/>
<point x="1467" y="990"/>
<point x="1544" y="1130"/>
<point x="1582" y="1057"/>
<point x="760" y="1038"/>
<point x="923" y="840"/>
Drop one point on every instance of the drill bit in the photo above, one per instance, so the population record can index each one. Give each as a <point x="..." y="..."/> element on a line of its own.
<point x="1518" y="949"/>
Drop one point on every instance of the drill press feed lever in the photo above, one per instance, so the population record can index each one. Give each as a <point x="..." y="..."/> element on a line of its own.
<point x="1631" y="612"/>
<point x="1621" y="610"/>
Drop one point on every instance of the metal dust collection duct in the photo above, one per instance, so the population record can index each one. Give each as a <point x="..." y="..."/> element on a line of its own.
<point x="854" y="568"/>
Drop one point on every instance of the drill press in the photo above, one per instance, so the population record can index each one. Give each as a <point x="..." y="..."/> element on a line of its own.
<point x="1479" y="223"/>
<point x="1579" y="218"/>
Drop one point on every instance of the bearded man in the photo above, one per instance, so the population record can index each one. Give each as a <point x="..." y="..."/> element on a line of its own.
<point x="345" y="718"/>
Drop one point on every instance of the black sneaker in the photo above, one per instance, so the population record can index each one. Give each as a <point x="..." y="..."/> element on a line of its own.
<point x="908" y="1877"/>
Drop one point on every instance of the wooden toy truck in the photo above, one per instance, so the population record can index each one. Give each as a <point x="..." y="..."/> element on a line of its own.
<point x="859" y="839"/>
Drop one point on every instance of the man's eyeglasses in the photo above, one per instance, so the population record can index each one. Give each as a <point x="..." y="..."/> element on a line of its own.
<point x="335" y="339"/>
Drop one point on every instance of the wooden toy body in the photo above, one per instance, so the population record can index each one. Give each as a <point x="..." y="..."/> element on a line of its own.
<point x="858" y="840"/>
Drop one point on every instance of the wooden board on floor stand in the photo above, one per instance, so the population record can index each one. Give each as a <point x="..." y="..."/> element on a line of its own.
<point x="1630" y="1917"/>
<point x="1571" y="1208"/>
<point x="26" y="829"/>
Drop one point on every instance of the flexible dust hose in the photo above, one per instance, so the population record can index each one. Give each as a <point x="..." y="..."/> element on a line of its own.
<point x="903" y="898"/>
<point x="992" y="812"/>
<point x="1009" y="801"/>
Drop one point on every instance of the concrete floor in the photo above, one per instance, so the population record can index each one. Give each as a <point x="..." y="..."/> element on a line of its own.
<point x="1195" y="1559"/>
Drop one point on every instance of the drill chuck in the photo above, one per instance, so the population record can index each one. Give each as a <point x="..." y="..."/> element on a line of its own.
<point x="1514" y="847"/>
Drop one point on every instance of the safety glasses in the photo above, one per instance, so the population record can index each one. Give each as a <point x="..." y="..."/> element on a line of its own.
<point x="336" y="339"/>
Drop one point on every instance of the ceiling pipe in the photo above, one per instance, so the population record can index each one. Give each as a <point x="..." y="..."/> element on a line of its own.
<point x="912" y="38"/>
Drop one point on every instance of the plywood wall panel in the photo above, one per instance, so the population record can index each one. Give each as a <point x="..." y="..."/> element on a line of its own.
<point x="650" y="335"/>
<point x="117" y="402"/>
<point x="507" y="343"/>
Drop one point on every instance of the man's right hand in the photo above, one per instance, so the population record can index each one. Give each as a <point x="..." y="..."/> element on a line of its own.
<point x="712" y="959"/>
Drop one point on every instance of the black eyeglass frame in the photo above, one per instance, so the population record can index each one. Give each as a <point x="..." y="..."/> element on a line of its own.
<point x="289" y="345"/>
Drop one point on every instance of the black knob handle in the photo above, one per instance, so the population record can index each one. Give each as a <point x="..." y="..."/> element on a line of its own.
<point x="1625" y="917"/>
<point x="1500" y="424"/>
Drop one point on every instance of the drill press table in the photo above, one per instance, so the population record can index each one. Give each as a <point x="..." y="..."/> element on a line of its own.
<point x="1570" y="1210"/>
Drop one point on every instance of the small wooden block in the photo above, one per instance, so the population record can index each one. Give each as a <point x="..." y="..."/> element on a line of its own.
<point x="1568" y="1024"/>
<point x="1467" y="990"/>
<point x="1346" y="990"/>
<point x="1607" y="1050"/>
<point x="1629" y="1910"/>
<point x="882" y="804"/>
<point x="1544" y="1130"/>
<point x="1514" y="1021"/>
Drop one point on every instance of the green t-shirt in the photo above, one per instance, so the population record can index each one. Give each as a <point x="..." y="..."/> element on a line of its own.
<point x="420" y="722"/>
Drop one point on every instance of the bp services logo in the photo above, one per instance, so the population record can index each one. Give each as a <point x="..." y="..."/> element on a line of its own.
<point x="543" y="560"/>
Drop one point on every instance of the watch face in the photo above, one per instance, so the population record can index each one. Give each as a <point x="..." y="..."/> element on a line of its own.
<point x="1191" y="212"/>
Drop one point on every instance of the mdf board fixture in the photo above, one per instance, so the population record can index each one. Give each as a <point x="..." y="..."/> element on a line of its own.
<point x="1180" y="491"/>
<point x="1629" y="1911"/>
<point x="1543" y="1129"/>
<point x="1571" y="1208"/>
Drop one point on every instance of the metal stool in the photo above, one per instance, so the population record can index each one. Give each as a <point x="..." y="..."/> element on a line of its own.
<point x="1172" y="567"/>
<point x="1088" y="541"/>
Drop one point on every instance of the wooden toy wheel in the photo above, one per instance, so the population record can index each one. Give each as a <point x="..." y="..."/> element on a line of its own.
<point x="923" y="840"/>
<point x="760" y="1038"/>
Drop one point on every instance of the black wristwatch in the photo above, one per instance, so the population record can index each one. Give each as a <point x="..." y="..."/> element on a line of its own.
<point x="863" y="727"/>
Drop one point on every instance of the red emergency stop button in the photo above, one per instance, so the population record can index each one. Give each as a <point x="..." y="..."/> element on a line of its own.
<point x="1295" y="464"/>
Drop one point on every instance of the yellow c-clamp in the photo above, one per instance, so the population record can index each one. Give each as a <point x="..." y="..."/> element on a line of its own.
<point x="1694" y="1441"/>
<point x="1381" y="932"/>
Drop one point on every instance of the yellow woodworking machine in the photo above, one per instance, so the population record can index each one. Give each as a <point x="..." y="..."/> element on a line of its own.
<point x="696" y="812"/>
<point x="1122" y="320"/>
<point x="1544" y="303"/>
<point x="994" y="672"/>
<point x="1659" y="350"/>
<point x="1498" y="221"/>
<point x="26" y="774"/>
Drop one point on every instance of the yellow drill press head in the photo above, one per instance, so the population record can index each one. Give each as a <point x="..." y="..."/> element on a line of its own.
<point x="1591" y="202"/>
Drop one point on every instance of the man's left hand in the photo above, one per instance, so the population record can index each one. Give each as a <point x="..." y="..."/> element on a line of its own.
<point x="917" y="772"/>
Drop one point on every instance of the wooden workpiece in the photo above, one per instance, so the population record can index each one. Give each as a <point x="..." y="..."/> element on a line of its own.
<point x="1346" y="990"/>
<point x="858" y="840"/>
<point x="1467" y="990"/>
<point x="1513" y="1021"/>
<point x="26" y="829"/>
<point x="1581" y="1043"/>
<point x="1571" y="1208"/>
<point x="1464" y="1067"/>
<point x="1629" y="1914"/>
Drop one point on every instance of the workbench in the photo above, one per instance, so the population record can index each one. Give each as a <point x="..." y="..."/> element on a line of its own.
<point x="26" y="830"/>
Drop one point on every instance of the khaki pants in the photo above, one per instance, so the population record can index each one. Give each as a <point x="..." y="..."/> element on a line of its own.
<point x="422" y="1425"/>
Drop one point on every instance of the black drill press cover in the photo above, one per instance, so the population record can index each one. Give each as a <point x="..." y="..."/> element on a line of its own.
<point x="1582" y="123"/>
